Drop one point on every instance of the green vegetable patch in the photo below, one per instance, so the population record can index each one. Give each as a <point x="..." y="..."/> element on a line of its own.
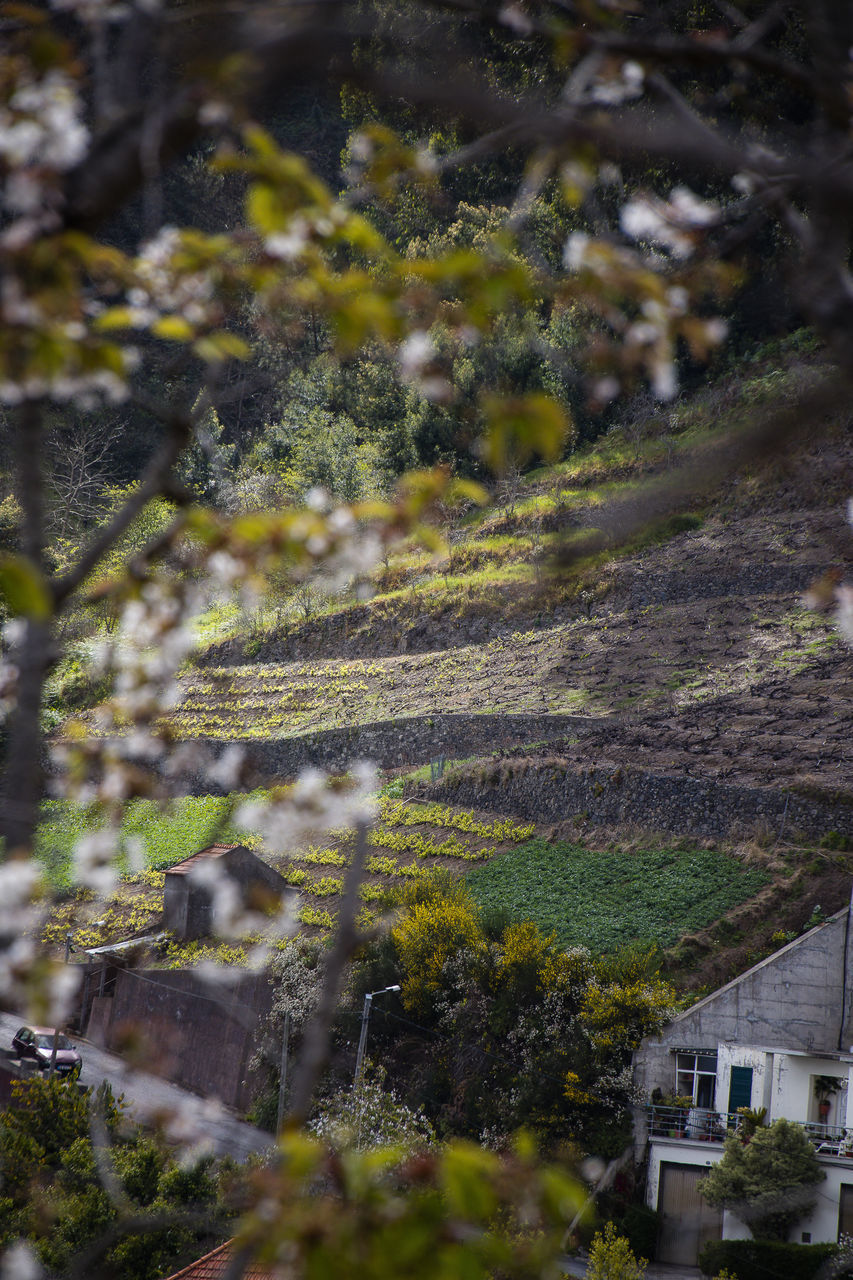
<point x="608" y="899"/>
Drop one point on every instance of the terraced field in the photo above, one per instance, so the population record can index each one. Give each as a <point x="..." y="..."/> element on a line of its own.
<point x="657" y="657"/>
<point x="408" y="841"/>
<point x="602" y="899"/>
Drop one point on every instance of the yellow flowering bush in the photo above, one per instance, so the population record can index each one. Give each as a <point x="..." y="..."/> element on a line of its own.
<point x="429" y="934"/>
<point x="619" y="1014"/>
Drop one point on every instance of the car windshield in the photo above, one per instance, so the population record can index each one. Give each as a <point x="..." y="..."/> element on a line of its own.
<point x="46" y="1042"/>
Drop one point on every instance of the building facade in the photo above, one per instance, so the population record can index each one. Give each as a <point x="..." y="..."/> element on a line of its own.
<point x="777" y="1038"/>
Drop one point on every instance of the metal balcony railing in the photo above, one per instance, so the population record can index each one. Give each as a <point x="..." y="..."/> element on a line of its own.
<point x="702" y="1125"/>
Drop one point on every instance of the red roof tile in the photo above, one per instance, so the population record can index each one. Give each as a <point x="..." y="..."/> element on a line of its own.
<point x="213" y="1265"/>
<point x="212" y="851"/>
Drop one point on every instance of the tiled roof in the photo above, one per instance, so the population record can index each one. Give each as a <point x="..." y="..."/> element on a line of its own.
<point x="213" y="1266"/>
<point x="212" y="851"/>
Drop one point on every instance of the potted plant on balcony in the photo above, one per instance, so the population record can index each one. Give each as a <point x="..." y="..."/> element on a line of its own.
<point x="824" y="1088"/>
<point x="751" y="1119"/>
<point x="675" y="1107"/>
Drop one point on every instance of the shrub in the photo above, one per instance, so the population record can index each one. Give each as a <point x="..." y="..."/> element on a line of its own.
<point x="611" y="1258"/>
<point x="769" y="1181"/>
<point x="765" y="1259"/>
<point x="641" y="1227"/>
<point x="430" y="934"/>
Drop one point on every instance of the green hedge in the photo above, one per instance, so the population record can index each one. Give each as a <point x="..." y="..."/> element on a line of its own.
<point x="641" y="1227"/>
<point x="766" y="1259"/>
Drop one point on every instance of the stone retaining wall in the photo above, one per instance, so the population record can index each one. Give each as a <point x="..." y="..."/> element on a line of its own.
<point x="391" y="743"/>
<point x="548" y="790"/>
<point x="553" y="791"/>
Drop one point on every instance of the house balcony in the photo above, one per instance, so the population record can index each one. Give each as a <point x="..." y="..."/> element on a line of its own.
<point x="698" y="1124"/>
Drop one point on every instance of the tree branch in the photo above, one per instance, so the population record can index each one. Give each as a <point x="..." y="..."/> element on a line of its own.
<point x="316" y="1041"/>
<point x="154" y="481"/>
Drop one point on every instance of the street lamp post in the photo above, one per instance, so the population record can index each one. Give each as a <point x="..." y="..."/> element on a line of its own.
<point x="365" y="1018"/>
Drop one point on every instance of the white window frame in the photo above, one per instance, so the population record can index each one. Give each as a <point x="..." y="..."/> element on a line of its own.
<point x="698" y="1076"/>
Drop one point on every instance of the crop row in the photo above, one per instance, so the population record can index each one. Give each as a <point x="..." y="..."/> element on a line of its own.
<point x="382" y="865"/>
<point x="424" y="847"/>
<point x="316" y="916"/>
<point x="326" y="858"/>
<point x="399" y="814"/>
<point x="269" y="672"/>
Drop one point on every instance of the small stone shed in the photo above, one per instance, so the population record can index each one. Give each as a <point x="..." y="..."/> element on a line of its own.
<point x="188" y="905"/>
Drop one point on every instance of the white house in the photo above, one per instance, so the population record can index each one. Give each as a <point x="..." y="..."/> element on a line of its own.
<point x="780" y="1036"/>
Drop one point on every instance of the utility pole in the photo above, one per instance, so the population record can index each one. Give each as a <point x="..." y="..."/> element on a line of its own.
<point x="282" y="1077"/>
<point x="362" y="1041"/>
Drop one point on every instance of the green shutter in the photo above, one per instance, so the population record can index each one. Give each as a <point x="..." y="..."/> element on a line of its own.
<point x="740" y="1089"/>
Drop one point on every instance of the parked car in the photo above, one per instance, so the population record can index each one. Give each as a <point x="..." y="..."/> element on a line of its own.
<point x="37" y="1043"/>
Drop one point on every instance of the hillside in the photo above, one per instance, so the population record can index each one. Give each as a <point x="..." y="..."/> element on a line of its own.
<point x="691" y="655"/>
<point x="668" y="720"/>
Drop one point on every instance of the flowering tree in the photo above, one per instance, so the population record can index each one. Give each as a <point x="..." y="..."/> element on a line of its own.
<point x="107" y="308"/>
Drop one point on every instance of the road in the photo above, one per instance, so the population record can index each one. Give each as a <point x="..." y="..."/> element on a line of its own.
<point x="195" y="1124"/>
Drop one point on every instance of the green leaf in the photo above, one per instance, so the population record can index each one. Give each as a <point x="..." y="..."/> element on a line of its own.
<point x="115" y="318"/>
<point x="264" y="209"/>
<point x="174" y="328"/>
<point x="522" y="426"/>
<point x="219" y="346"/>
<point x="466" y="1175"/>
<point x="24" y="589"/>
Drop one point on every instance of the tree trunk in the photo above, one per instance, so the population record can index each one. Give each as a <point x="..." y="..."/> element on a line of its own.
<point x="23" y="773"/>
<point x="22" y="782"/>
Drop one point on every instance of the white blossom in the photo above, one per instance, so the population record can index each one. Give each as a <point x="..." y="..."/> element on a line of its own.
<point x="134" y="848"/>
<point x="225" y="771"/>
<point x="94" y="860"/>
<point x="622" y="88"/>
<point x="21" y="883"/>
<point x="289" y="244"/>
<point x="575" y="251"/>
<point x="844" y="612"/>
<point x="214" y="112"/>
<point x="42" y="125"/>
<point x="19" y="1262"/>
<point x="23" y="192"/>
<point x="62" y="987"/>
<point x="15" y="631"/>
<point x="513" y="16"/>
<point x="743" y="183"/>
<point x="16" y="964"/>
<point x="311" y="808"/>
<point x="361" y="147"/>
<point x="9" y="676"/>
<point x="664" y="379"/>
<point x="414" y="352"/>
<point x="606" y="389"/>
<point x="716" y="330"/>
<point x="317" y="499"/>
<point x="668" y="223"/>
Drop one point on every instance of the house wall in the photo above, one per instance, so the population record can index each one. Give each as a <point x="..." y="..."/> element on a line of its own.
<point x="188" y="905"/>
<point x="196" y="1035"/>
<point x="792" y="1000"/>
<point x="821" y="1224"/>
<point x="175" y="896"/>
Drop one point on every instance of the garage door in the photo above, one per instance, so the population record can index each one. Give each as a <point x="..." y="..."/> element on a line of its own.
<point x="688" y="1222"/>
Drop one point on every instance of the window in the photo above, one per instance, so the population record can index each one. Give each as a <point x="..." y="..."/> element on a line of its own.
<point x="696" y="1076"/>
